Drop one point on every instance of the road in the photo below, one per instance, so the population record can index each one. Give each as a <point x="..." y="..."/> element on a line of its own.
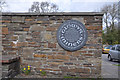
<point x="110" y="69"/>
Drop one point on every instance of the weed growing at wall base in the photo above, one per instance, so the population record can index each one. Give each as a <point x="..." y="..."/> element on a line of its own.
<point x="27" y="70"/>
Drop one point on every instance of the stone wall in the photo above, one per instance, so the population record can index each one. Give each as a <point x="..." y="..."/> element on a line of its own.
<point x="33" y="37"/>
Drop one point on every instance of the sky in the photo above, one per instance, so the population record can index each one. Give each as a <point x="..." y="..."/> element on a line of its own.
<point x="64" y="5"/>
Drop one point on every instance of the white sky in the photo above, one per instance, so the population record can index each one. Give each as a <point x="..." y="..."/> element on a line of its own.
<point x="64" y="5"/>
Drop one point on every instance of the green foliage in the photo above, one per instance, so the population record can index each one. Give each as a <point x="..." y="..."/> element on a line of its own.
<point x="83" y="78"/>
<point x="116" y="64"/>
<point x="111" y="37"/>
<point x="43" y="73"/>
<point x="26" y="71"/>
<point x="70" y="77"/>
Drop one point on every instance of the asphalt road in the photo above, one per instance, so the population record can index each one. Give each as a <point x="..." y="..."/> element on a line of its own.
<point x="110" y="69"/>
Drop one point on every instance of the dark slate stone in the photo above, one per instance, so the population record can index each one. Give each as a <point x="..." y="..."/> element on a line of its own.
<point x="72" y="35"/>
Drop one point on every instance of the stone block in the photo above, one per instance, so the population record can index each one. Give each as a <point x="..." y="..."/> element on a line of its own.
<point x="94" y="27"/>
<point x="33" y="63"/>
<point x="22" y="44"/>
<point x="36" y="28"/>
<point x="3" y="25"/>
<point x="10" y="49"/>
<point x="26" y="29"/>
<point x="12" y="44"/>
<point x="82" y="70"/>
<point x="89" y="55"/>
<point x="83" y="51"/>
<point x="40" y="55"/>
<point x="22" y="38"/>
<point x="26" y="20"/>
<point x="12" y="53"/>
<point x="50" y="57"/>
<point x="4" y="30"/>
<point x="14" y="38"/>
<point x="51" y="45"/>
<point x="76" y="54"/>
<point x="55" y="63"/>
<point x="81" y="19"/>
<point x="31" y="42"/>
<point x="20" y="32"/>
<point x="68" y="53"/>
<point x="51" y="29"/>
<point x="28" y="52"/>
<point x="88" y="65"/>
<point x="18" y="19"/>
<point x="68" y="63"/>
<point x="98" y="53"/>
<point x="43" y="22"/>
<point x="47" y="36"/>
<point x="5" y="21"/>
<point x="65" y="57"/>
<point x="63" y="68"/>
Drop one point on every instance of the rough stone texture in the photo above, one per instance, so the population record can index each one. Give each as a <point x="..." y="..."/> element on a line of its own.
<point x="4" y="30"/>
<point x="33" y="37"/>
<point x="10" y="66"/>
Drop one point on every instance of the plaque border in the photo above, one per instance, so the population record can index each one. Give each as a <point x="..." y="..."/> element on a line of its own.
<point x="83" y="42"/>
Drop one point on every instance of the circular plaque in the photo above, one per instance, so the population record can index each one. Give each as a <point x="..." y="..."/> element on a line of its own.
<point x="72" y="35"/>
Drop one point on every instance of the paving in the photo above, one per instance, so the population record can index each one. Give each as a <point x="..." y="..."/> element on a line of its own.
<point x="110" y="69"/>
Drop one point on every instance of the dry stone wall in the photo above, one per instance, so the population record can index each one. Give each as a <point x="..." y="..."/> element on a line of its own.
<point x="33" y="37"/>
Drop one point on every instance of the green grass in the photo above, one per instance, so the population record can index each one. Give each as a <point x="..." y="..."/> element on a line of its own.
<point x="116" y="64"/>
<point x="70" y="77"/>
<point x="83" y="78"/>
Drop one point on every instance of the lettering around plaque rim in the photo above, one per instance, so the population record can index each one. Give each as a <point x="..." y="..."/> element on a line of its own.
<point x="72" y="35"/>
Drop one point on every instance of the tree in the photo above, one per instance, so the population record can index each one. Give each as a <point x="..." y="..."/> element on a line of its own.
<point x="2" y="4"/>
<point x="119" y="21"/>
<point x="110" y="34"/>
<point x="110" y="15"/>
<point x="119" y="14"/>
<point x="43" y="7"/>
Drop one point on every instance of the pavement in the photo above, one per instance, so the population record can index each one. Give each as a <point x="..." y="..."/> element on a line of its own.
<point x="110" y="69"/>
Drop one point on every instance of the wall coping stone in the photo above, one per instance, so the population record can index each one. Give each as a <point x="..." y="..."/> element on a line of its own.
<point x="6" y="59"/>
<point x="54" y="14"/>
